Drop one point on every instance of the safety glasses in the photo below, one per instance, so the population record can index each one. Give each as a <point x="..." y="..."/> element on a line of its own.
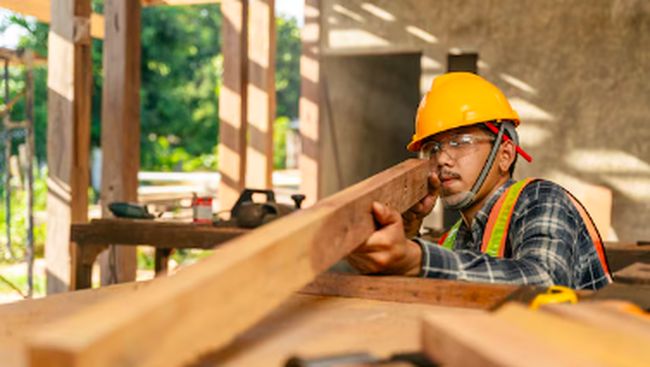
<point x="455" y="146"/>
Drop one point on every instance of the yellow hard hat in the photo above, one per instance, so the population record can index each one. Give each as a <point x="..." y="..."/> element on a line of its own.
<point x="459" y="99"/>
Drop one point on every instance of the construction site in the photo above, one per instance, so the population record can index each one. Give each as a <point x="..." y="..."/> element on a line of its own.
<point x="368" y="183"/>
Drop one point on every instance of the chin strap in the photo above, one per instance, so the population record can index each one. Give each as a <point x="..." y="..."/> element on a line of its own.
<point x="471" y="195"/>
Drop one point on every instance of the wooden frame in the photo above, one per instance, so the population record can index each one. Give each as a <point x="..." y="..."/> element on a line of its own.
<point x="120" y="138"/>
<point x="68" y="134"/>
<point x="233" y="102"/>
<point x="242" y="281"/>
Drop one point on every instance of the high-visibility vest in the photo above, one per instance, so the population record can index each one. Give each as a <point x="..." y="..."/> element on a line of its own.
<point x="496" y="229"/>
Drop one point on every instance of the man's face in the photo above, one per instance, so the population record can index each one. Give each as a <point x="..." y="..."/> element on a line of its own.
<point x="458" y="156"/>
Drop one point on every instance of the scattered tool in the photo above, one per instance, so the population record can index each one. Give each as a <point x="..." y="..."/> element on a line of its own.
<point x="130" y="210"/>
<point x="247" y="213"/>
<point x="361" y="359"/>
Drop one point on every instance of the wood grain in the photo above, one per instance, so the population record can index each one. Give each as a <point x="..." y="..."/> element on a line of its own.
<point x="233" y="102"/>
<point x="237" y="286"/>
<point x="120" y="139"/>
<point x="261" y="93"/>
<point x="155" y="233"/>
<point x="68" y="136"/>
<point x="410" y="290"/>
<point x="637" y="273"/>
<point x="452" y="339"/>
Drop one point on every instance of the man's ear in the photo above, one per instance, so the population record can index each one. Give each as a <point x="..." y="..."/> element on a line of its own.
<point x="507" y="154"/>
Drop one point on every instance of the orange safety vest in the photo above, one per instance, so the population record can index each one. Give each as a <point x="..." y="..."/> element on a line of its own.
<point x="496" y="229"/>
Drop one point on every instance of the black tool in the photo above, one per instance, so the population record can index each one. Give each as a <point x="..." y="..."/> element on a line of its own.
<point x="249" y="214"/>
<point x="129" y="210"/>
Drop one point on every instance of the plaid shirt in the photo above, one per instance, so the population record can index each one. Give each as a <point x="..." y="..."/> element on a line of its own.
<point x="547" y="243"/>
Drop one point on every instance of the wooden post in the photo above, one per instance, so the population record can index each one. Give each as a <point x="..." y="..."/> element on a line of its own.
<point x="310" y="111"/>
<point x="68" y="134"/>
<point x="120" y="126"/>
<point x="236" y="287"/>
<point x="261" y="93"/>
<point x="233" y="101"/>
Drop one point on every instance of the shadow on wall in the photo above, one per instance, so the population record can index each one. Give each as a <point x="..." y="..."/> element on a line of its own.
<point x="552" y="64"/>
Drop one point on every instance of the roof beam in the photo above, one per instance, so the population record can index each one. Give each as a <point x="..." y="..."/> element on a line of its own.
<point x="40" y="9"/>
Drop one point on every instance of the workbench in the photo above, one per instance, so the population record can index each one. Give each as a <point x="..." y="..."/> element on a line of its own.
<point x="94" y="237"/>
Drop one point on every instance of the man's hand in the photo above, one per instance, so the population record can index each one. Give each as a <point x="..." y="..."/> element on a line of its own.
<point x="414" y="216"/>
<point x="387" y="251"/>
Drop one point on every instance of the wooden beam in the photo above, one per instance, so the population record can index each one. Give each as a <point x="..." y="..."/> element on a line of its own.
<point x="41" y="10"/>
<point x="178" y="2"/>
<point x="411" y="290"/>
<point x="602" y="346"/>
<point x="16" y="318"/>
<point x="120" y="138"/>
<point x="310" y="103"/>
<point x="456" y="339"/>
<point x="155" y="233"/>
<point x="261" y="93"/>
<point x="68" y="135"/>
<point x="233" y="102"/>
<point x="238" y="285"/>
<point x="637" y="273"/>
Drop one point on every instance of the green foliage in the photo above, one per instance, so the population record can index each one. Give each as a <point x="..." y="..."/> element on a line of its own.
<point x="287" y="68"/>
<point x="19" y="219"/>
<point x="279" y="142"/>
<point x="181" y="70"/>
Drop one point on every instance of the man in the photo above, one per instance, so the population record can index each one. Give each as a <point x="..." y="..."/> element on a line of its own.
<point x="527" y="232"/>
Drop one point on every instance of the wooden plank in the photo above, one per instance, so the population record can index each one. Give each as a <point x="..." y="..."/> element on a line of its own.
<point x="120" y="138"/>
<point x="621" y="255"/>
<point x="68" y="135"/>
<point x="41" y="10"/>
<point x="261" y="93"/>
<point x="603" y="346"/>
<point x="155" y="233"/>
<point x="312" y="326"/>
<point x="228" y="292"/>
<point x="612" y="315"/>
<point x="452" y="339"/>
<point x="310" y="103"/>
<point x="410" y="290"/>
<point x="233" y="102"/>
<point x="637" y="273"/>
<point x="18" y="320"/>
<point x="17" y="317"/>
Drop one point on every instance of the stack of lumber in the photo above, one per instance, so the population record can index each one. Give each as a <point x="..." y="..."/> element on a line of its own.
<point x="603" y="333"/>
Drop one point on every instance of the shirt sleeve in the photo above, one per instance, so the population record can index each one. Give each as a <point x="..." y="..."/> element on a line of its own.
<point x="543" y="236"/>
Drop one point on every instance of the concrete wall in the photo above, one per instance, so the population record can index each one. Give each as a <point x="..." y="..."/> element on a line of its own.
<point x="577" y="71"/>
<point x="368" y="102"/>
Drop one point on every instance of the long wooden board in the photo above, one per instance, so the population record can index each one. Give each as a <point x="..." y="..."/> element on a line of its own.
<point x="451" y="339"/>
<point x="230" y="291"/>
<point x="411" y="290"/>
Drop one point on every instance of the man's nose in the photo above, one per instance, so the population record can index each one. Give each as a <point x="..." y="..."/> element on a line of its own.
<point x="443" y="158"/>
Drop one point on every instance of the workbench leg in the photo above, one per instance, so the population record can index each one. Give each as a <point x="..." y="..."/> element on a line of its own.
<point x="162" y="260"/>
<point x="86" y="256"/>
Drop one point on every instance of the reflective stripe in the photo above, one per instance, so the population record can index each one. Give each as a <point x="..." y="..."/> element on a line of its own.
<point x="450" y="237"/>
<point x="496" y="229"/>
<point x="593" y="233"/>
